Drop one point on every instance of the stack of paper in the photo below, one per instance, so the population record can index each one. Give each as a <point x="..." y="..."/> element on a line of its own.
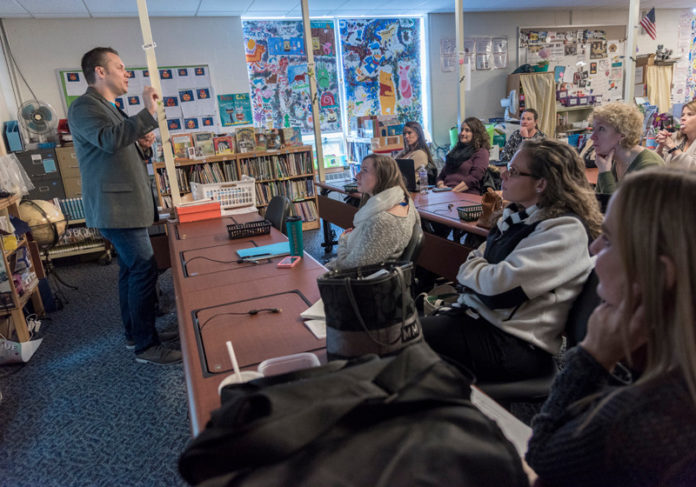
<point x="316" y="319"/>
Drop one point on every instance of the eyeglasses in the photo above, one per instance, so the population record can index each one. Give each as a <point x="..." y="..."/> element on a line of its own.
<point x="513" y="172"/>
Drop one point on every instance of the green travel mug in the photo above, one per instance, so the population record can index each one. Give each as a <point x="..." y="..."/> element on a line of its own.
<point x="294" y="226"/>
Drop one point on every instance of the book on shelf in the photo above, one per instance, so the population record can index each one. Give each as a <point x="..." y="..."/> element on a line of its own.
<point x="181" y="144"/>
<point x="306" y="210"/>
<point x="246" y="140"/>
<point x="204" y="144"/>
<point x="291" y="137"/>
<point x="261" y="140"/>
<point x="224" y="144"/>
<point x="273" y="141"/>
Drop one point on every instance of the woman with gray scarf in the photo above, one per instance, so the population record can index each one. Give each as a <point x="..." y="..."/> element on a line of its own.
<point x="384" y="224"/>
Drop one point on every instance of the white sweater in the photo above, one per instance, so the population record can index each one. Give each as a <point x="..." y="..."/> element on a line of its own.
<point x="545" y="273"/>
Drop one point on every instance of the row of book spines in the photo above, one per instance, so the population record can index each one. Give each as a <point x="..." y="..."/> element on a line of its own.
<point x="72" y="208"/>
<point x="294" y="190"/>
<point x="294" y="165"/>
<point x="306" y="210"/>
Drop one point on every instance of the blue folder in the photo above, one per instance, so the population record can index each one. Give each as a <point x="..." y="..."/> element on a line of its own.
<point x="273" y="250"/>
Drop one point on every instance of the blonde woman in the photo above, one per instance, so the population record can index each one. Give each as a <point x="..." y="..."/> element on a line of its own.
<point x="616" y="132"/>
<point x="594" y="430"/>
<point x="384" y="223"/>
<point x="522" y="281"/>
<point x="678" y="149"/>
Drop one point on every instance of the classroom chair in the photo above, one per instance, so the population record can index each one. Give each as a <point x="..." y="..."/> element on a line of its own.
<point x="415" y="245"/>
<point x="278" y="211"/>
<point x="538" y="388"/>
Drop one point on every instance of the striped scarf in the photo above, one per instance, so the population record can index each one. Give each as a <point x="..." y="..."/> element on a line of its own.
<point x="512" y="216"/>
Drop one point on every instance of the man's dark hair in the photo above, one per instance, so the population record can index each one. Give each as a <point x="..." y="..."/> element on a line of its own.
<point x="92" y="59"/>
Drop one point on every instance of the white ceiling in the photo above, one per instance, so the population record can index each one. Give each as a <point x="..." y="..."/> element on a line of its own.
<point x="291" y="8"/>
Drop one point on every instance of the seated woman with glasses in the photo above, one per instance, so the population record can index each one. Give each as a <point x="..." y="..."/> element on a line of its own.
<point x="383" y="225"/>
<point x="616" y="132"/>
<point x="593" y="429"/>
<point x="466" y="164"/>
<point x="520" y="284"/>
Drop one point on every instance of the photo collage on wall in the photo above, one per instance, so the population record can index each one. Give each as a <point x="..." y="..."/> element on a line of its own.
<point x="381" y="63"/>
<point x="187" y="94"/>
<point x="277" y="68"/>
<point x="584" y="61"/>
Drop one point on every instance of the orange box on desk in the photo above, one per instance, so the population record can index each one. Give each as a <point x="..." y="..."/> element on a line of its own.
<point x="197" y="212"/>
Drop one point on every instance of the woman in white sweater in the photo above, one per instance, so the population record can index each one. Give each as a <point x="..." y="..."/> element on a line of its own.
<point x="678" y="149"/>
<point x="520" y="284"/>
<point x="384" y="223"/>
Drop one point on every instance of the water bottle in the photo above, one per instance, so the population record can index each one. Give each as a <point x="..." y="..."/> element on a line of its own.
<point x="423" y="180"/>
<point x="294" y="226"/>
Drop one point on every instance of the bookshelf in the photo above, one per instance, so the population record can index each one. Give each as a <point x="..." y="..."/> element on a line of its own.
<point x="287" y="172"/>
<point x="13" y="299"/>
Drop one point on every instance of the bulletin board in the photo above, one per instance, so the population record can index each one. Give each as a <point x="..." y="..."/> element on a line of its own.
<point x="277" y="68"/>
<point x="187" y="94"/>
<point x="586" y="61"/>
<point x="382" y="67"/>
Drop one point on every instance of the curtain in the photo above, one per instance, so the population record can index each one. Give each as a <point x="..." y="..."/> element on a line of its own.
<point x="659" y="81"/>
<point x="540" y="93"/>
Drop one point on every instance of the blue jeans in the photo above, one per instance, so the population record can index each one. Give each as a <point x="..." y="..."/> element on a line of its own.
<point x="137" y="283"/>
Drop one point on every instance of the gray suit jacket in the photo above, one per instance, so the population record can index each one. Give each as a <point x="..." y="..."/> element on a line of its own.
<point x="115" y="185"/>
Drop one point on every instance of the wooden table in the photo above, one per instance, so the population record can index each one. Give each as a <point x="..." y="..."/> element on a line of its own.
<point x="213" y="299"/>
<point x="439" y="255"/>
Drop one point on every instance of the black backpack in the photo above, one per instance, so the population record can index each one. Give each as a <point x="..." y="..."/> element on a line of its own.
<point x="395" y="421"/>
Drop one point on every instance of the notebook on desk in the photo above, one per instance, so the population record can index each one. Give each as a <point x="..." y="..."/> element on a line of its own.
<point x="266" y="251"/>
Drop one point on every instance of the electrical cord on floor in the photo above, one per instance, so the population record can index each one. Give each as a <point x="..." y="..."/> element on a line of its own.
<point x="251" y="312"/>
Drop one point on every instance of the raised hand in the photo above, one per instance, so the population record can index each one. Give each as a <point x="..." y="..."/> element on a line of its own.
<point x="150" y="97"/>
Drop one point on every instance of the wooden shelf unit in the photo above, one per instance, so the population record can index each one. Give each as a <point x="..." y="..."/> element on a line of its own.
<point x="260" y="165"/>
<point x="10" y="206"/>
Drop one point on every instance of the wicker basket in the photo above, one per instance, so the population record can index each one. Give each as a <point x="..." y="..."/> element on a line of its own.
<point x="235" y="197"/>
<point x="470" y="213"/>
<point x="251" y="229"/>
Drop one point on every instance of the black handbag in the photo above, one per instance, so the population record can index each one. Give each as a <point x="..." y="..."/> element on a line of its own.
<point x="369" y="315"/>
<point x="397" y="421"/>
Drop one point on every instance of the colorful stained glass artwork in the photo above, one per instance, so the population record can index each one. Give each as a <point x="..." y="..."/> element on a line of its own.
<point x="278" y="78"/>
<point x="381" y="63"/>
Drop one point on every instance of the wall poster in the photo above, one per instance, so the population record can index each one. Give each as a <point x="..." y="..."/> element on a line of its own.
<point x="277" y="68"/>
<point x="235" y="109"/>
<point x="381" y="63"/>
<point x="187" y="95"/>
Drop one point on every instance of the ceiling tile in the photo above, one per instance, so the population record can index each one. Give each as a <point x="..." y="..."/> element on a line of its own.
<point x="11" y="8"/>
<point x="224" y="7"/>
<point x="64" y="8"/>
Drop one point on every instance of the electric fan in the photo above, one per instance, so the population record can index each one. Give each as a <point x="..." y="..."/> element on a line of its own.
<point x="511" y="104"/>
<point x="38" y="119"/>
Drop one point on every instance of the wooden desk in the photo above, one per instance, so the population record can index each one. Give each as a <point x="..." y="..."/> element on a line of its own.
<point x="439" y="255"/>
<point x="208" y="301"/>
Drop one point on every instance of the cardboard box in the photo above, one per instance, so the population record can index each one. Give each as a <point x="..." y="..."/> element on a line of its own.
<point x="387" y="144"/>
<point x="73" y="187"/>
<point x="197" y="212"/>
<point x="67" y="162"/>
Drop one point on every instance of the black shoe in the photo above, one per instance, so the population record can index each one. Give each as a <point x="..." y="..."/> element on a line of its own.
<point x="158" y="355"/>
<point x="130" y="344"/>
<point x="168" y="335"/>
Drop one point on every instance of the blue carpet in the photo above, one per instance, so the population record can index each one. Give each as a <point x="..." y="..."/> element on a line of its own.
<point x="82" y="412"/>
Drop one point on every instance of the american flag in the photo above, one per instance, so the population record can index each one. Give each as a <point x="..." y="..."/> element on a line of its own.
<point x="648" y="23"/>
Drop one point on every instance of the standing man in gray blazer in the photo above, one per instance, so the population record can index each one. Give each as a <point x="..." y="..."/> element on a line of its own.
<point x="111" y="148"/>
